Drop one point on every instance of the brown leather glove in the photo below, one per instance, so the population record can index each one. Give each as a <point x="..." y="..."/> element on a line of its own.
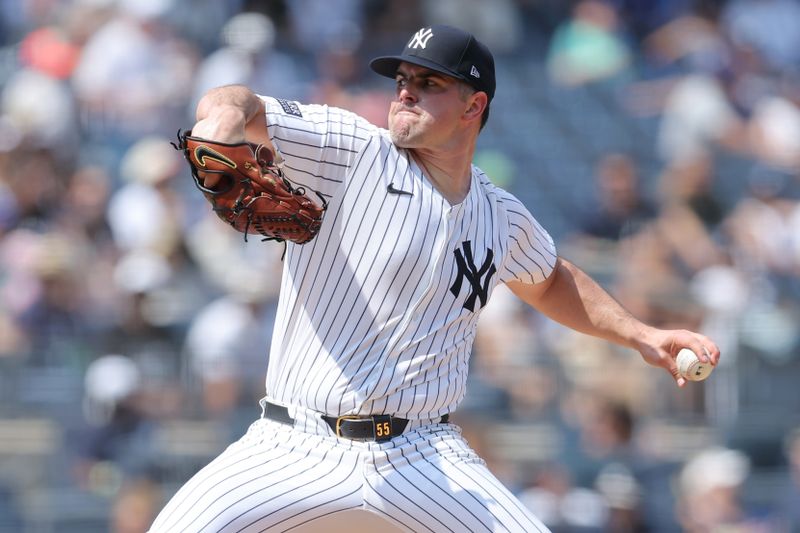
<point x="252" y="194"/>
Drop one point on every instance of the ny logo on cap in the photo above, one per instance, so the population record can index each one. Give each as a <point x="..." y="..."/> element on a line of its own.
<point x="421" y="38"/>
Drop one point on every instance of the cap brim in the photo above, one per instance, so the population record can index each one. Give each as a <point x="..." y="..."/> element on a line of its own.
<point x="387" y="66"/>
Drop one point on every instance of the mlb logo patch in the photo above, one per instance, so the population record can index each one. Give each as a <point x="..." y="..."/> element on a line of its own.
<point x="290" y="108"/>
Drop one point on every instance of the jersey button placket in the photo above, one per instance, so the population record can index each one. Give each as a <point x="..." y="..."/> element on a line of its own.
<point x="438" y="259"/>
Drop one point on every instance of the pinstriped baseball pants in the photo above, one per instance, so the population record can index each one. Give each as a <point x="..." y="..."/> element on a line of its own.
<point x="277" y="478"/>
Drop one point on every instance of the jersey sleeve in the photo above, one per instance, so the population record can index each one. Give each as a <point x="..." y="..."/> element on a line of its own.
<point x="318" y="143"/>
<point x="531" y="254"/>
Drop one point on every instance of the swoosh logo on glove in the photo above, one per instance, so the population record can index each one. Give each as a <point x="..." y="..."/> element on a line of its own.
<point x="203" y="153"/>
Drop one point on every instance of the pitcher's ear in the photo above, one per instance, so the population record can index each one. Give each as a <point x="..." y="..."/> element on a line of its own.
<point x="477" y="102"/>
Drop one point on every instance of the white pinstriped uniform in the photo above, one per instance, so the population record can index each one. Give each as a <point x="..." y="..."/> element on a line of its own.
<point x="376" y="316"/>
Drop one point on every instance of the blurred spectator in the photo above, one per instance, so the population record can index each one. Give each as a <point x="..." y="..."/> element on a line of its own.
<point x="42" y="291"/>
<point x="763" y="229"/>
<point x="203" y="31"/>
<point x="789" y="511"/>
<point x="774" y="132"/>
<point x="249" y="56"/>
<point x="118" y="442"/>
<point x="225" y="259"/>
<point x="511" y="367"/>
<point x="13" y="341"/>
<point x="319" y="24"/>
<point x="692" y="40"/>
<point x="764" y="225"/>
<point x="699" y="92"/>
<point x="389" y="22"/>
<point x="621" y="208"/>
<point x="340" y="82"/>
<point x="39" y="112"/>
<point x="35" y="182"/>
<point x="227" y="343"/>
<point x="724" y="292"/>
<point x="691" y="212"/>
<point x="588" y="47"/>
<point x="698" y="116"/>
<point x="562" y="506"/>
<point x="498" y="24"/>
<point x="135" y="506"/>
<point x="51" y="51"/>
<point x="769" y="27"/>
<point x="596" y="484"/>
<point x="710" y="494"/>
<point x="144" y="212"/>
<point x="623" y="494"/>
<point x="136" y="50"/>
<point x="605" y="430"/>
<point x="84" y="206"/>
<point x="228" y="336"/>
<point x="10" y="516"/>
<point x="642" y="17"/>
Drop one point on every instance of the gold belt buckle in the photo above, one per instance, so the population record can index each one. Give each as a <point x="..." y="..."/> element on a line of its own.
<point x="340" y="419"/>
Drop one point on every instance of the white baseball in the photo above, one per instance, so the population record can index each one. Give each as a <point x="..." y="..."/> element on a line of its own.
<point x="691" y="367"/>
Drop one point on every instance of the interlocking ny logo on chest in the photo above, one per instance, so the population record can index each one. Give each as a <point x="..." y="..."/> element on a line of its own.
<point x="478" y="278"/>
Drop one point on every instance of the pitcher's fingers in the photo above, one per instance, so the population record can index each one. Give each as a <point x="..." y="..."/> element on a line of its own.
<point x="706" y="350"/>
<point x="672" y="368"/>
<point x="712" y="350"/>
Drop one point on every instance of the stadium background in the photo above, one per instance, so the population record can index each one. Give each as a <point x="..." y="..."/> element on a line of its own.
<point x="659" y="142"/>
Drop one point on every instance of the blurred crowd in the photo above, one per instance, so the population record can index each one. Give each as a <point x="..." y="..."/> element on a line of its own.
<point x="134" y="325"/>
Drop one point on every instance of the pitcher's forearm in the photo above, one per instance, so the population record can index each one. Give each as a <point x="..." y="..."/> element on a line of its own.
<point x="574" y="299"/>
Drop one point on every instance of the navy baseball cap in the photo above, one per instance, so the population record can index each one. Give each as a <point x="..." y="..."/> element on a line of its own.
<point x="447" y="50"/>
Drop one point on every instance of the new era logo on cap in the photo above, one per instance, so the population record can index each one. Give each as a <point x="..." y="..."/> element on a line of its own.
<point x="447" y="50"/>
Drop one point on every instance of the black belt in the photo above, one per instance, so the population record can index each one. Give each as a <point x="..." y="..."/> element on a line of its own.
<point x="378" y="428"/>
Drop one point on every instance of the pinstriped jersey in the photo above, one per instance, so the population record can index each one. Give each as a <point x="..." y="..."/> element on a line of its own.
<point x="378" y="313"/>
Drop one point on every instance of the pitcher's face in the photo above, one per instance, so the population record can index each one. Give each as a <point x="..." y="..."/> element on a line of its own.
<point x="427" y="108"/>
